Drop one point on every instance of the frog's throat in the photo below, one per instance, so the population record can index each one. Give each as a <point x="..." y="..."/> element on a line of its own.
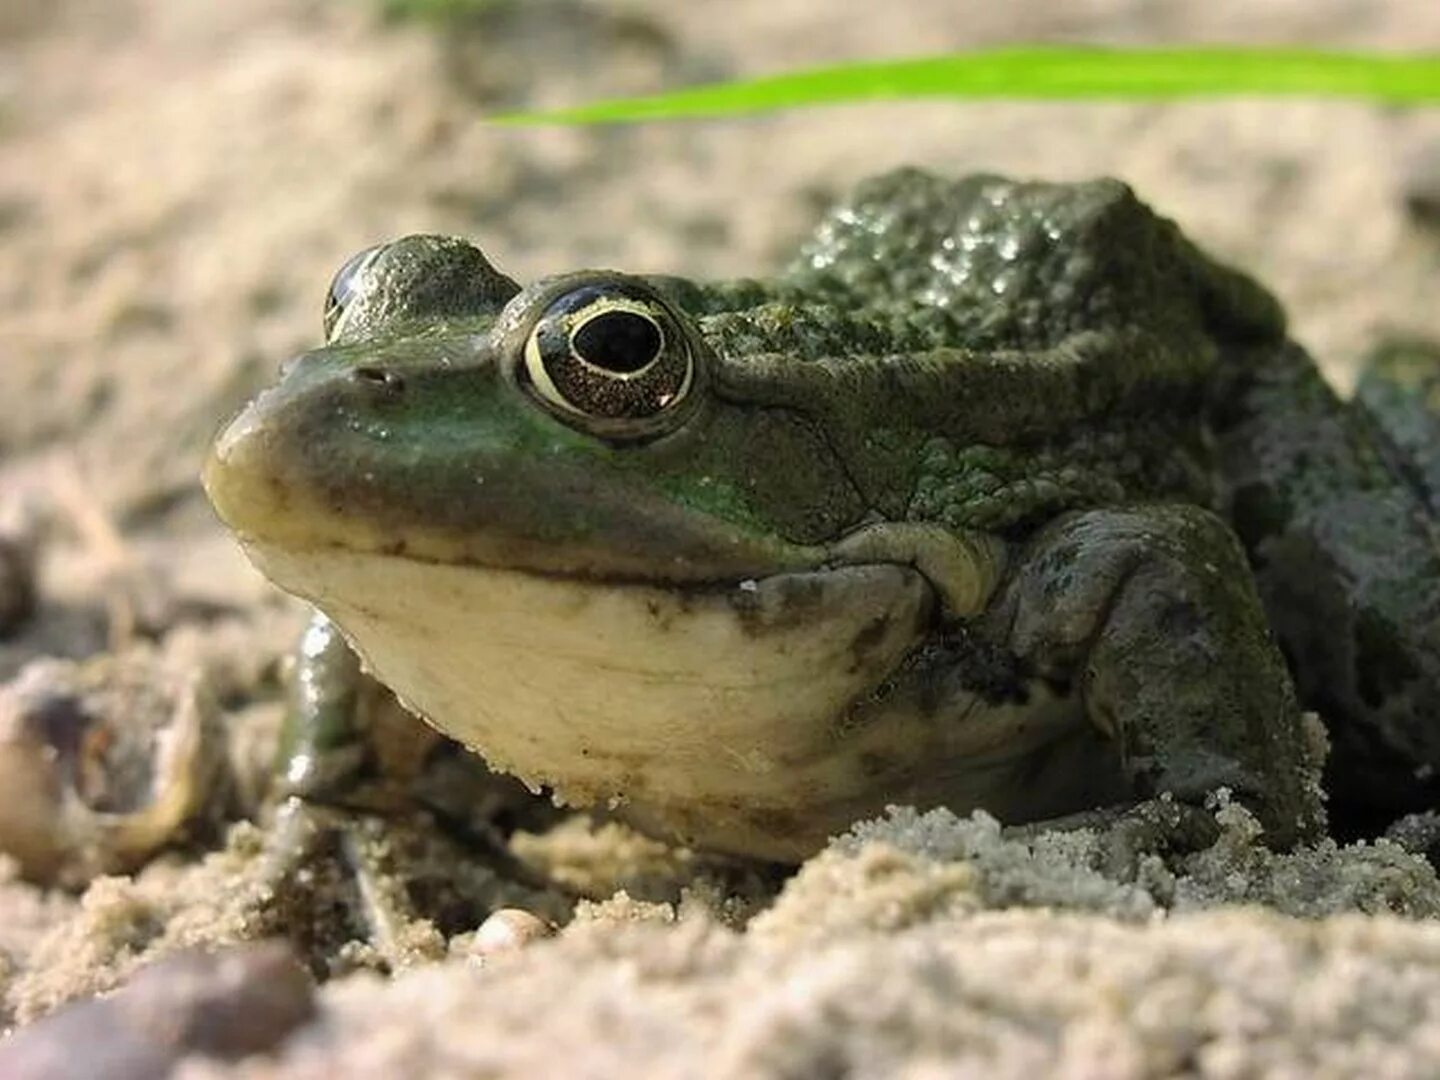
<point x="607" y="693"/>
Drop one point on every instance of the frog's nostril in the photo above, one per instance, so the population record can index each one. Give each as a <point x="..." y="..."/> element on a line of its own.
<point x="375" y="376"/>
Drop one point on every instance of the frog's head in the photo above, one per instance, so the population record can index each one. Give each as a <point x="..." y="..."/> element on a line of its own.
<point x="576" y="427"/>
<point x="556" y="524"/>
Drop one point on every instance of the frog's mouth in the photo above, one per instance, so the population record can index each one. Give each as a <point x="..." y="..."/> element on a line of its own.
<point x="278" y="483"/>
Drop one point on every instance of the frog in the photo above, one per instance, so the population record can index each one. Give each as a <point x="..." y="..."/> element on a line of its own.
<point x="1003" y="496"/>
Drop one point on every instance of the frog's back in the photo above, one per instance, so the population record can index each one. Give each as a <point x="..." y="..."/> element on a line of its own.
<point x="1016" y="264"/>
<point x="1052" y="303"/>
<point x="988" y="352"/>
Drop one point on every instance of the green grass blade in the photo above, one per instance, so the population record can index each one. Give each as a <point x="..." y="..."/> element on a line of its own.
<point x="1064" y="73"/>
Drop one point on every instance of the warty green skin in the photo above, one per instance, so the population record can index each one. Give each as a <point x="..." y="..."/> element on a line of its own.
<point x="1051" y="368"/>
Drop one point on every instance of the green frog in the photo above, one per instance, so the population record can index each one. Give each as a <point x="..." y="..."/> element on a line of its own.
<point x="1003" y="495"/>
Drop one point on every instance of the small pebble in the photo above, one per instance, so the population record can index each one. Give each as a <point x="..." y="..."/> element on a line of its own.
<point x="225" y="1005"/>
<point x="508" y="930"/>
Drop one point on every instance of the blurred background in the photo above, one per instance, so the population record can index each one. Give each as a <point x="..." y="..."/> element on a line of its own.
<point x="179" y="180"/>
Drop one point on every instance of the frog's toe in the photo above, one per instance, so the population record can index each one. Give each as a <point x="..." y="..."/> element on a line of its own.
<point x="1165" y="827"/>
<point x="1195" y="776"/>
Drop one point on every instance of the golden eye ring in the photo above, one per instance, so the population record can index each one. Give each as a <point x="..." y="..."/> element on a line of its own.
<point x="610" y="357"/>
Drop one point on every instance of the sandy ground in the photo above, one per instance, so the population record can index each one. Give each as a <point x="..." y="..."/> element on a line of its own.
<point x="178" y="181"/>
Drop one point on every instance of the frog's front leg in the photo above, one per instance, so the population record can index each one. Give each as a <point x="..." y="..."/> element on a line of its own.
<point x="345" y="743"/>
<point x="353" y="767"/>
<point x="331" y="786"/>
<point x="1152" y="614"/>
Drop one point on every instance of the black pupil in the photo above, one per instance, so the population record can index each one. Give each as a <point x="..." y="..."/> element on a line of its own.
<point x="618" y="341"/>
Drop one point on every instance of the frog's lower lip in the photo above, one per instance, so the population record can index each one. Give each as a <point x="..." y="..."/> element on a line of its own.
<point x="307" y="580"/>
<point x="264" y="553"/>
<point x="628" y="534"/>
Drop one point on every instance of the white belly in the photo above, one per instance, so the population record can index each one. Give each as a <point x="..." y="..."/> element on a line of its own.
<point x="607" y="693"/>
<point x="738" y="718"/>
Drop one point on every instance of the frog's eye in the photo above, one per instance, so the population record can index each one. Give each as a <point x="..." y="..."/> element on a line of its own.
<point x="345" y="284"/>
<point x="612" y="357"/>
